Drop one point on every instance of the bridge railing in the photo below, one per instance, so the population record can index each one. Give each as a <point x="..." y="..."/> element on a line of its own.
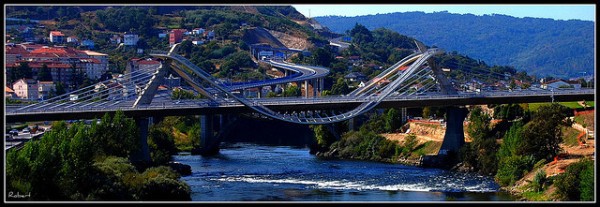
<point x="292" y="101"/>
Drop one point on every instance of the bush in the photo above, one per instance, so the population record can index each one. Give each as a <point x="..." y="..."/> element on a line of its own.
<point x="577" y="182"/>
<point x="365" y="145"/>
<point x="162" y="188"/>
<point x="539" y="180"/>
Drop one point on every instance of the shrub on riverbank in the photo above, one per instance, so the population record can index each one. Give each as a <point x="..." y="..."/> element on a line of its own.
<point x="364" y="145"/>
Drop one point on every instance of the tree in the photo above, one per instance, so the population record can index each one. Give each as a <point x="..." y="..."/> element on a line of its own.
<point x="161" y="144"/>
<point x="23" y="71"/>
<point x="44" y="74"/>
<point x="323" y="136"/>
<point x="60" y="88"/>
<point x="321" y="57"/>
<point x="340" y="87"/>
<point x="393" y="120"/>
<point x="426" y="112"/>
<point x="122" y="142"/>
<point x="77" y="163"/>
<point x="292" y="91"/>
<point x="360" y="34"/>
<point x="224" y="29"/>
<point x="271" y="94"/>
<point x="511" y="142"/>
<point x="481" y="152"/>
<point x="543" y="134"/>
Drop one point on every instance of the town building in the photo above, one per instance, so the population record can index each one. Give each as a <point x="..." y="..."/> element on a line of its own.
<point x="555" y="84"/>
<point x="355" y="76"/>
<point x="112" y="90"/>
<point x="198" y="31"/>
<point x="26" y="89"/>
<point x="162" y="35"/>
<point x="197" y="42"/>
<point x="136" y="64"/>
<point x="9" y="92"/>
<point x="575" y="84"/>
<point x="101" y="68"/>
<point x="57" y="37"/>
<point x="62" y="61"/>
<point x="13" y="52"/>
<point x="130" y="39"/>
<point x="72" y="39"/>
<point x="210" y="35"/>
<point x="45" y="89"/>
<point x="175" y="36"/>
<point x="115" y="39"/>
<point x="88" y="43"/>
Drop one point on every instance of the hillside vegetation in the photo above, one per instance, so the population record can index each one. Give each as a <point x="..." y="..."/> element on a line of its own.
<point x="543" y="47"/>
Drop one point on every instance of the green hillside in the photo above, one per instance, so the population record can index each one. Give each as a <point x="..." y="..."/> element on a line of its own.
<point x="542" y="47"/>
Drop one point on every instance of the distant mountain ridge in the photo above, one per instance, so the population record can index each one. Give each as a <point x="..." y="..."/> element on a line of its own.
<point x="542" y="47"/>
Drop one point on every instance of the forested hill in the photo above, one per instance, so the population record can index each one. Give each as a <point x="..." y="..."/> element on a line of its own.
<point x="542" y="47"/>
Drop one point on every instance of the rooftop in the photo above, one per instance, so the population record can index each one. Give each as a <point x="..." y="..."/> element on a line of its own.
<point x="56" y="33"/>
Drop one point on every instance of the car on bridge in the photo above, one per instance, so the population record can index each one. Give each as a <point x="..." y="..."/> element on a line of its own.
<point x="14" y="132"/>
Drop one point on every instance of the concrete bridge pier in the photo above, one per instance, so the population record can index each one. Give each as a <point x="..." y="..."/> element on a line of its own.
<point x="351" y="124"/>
<point x="403" y="114"/>
<point x="321" y="85"/>
<point x="454" y="138"/>
<point x="259" y="92"/>
<point x="209" y="140"/>
<point x="313" y="83"/>
<point x="206" y="130"/>
<point x="306" y="89"/>
<point x="142" y="155"/>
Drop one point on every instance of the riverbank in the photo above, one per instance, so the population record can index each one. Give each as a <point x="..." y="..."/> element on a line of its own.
<point x="574" y="149"/>
<point x="572" y="154"/>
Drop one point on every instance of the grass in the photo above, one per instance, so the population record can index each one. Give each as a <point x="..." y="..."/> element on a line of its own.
<point x="590" y="103"/>
<point x="535" y="106"/>
<point x="429" y="147"/>
<point x="570" y="136"/>
<point x="535" y="196"/>
<point x="572" y="105"/>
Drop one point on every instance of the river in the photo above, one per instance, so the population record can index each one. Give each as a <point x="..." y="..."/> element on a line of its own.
<point x="251" y="172"/>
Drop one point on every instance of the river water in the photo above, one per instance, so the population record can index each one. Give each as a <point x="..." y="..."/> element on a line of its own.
<point x="251" y="172"/>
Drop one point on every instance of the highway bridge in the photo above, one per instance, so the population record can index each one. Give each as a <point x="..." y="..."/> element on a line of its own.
<point x="415" y="81"/>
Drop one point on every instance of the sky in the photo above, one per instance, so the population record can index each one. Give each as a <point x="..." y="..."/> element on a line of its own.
<point x="554" y="11"/>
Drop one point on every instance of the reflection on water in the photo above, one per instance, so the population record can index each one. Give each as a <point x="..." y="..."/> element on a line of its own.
<point x="248" y="172"/>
